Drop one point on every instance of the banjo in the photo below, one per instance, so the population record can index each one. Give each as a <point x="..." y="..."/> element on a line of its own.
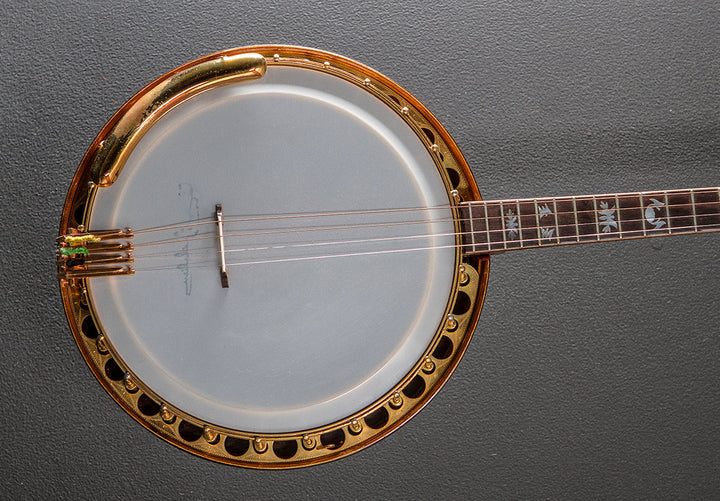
<point x="274" y="256"/>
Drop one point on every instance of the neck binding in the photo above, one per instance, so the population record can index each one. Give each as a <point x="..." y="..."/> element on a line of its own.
<point x="500" y="225"/>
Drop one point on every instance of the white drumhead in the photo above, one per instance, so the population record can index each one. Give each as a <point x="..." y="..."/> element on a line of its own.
<point x="299" y="339"/>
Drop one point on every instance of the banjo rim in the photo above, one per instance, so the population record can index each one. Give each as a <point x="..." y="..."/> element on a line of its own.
<point x="336" y="439"/>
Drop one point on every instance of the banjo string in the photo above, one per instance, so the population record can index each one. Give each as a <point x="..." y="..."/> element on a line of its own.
<point x="297" y="215"/>
<point x="300" y="215"/>
<point x="353" y="226"/>
<point x="500" y="249"/>
<point x="495" y="246"/>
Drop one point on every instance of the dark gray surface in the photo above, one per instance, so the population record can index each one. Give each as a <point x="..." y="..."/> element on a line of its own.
<point x="594" y="371"/>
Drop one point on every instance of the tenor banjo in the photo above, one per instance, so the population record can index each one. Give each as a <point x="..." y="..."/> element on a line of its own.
<point x="274" y="256"/>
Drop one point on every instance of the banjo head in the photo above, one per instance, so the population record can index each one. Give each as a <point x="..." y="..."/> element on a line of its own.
<point x="261" y="260"/>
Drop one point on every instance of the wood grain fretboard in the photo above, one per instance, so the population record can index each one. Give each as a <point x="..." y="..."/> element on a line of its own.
<point x="500" y="225"/>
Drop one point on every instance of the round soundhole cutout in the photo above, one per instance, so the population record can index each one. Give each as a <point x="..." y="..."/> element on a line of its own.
<point x="444" y="348"/>
<point x="454" y="177"/>
<point x="414" y="388"/>
<point x="189" y="431"/>
<point x="377" y="419"/>
<point x="89" y="328"/>
<point x="462" y="304"/>
<point x="333" y="439"/>
<point x="285" y="449"/>
<point x="236" y="446"/>
<point x="113" y="370"/>
<point x="147" y="405"/>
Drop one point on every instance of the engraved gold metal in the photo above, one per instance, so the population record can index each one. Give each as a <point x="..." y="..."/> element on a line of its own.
<point x="103" y="163"/>
<point x="159" y="98"/>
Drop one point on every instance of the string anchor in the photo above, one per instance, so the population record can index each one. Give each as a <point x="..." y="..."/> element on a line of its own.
<point x="82" y="254"/>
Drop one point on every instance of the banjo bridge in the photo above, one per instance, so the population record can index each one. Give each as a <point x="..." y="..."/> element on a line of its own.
<point x="102" y="253"/>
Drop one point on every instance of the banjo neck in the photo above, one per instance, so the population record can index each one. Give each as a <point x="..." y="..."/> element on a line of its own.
<point x="500" y="225"/>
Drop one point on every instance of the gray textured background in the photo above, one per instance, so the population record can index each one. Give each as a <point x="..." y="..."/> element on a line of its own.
<point x="594" y="370"/>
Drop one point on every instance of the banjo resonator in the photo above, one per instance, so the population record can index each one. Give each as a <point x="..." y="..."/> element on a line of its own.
<point x="351" y="241"/>
<point x="254" y="373"/>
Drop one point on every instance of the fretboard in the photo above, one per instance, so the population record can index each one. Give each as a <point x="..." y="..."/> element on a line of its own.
<point x="501" y="225"/>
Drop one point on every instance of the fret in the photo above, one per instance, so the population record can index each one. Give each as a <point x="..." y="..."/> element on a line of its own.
<point x="467" y="235"/>
<point x="566" y="216"/>
<point x="586" y="220"/>
<point x="597" y="222"/>
<point x="502" y="221"/>
<point x="655" y="217"/>
<point x="519" y="221"/>
<point x="511" y="225"/>
<point x="575" y="217"/>
<point x="642" y="212"/>
<point x="495" y="230"/>
<point x="630" y="215"/>
<point x="487" y="227"/>
<point x="667" y="212"/>
<point x="606" y="215"/>
<point x="472" y="227"/>
<point x="694" y="212"/>
<point x="555" y="214"/>
<point x="546" y="229"/>
<point x="707" y="209"/>
<point x="528" y="223"/>
<point x="619" y="219"/>
<point x="680" y="212"/>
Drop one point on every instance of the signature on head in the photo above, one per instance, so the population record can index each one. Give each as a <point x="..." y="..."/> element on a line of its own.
<point x="186" y="192"/>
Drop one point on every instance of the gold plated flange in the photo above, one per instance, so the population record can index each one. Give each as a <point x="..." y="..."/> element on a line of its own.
<point x="304" y="447"/>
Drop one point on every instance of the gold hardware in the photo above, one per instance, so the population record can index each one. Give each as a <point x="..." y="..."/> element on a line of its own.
<point x="80" y="232"/>
<point x="259" y="445"/>
<point x="101" y="272"/>
<point x="101" y="344"/>
<point x="164" y="94"/>
<point x="210" y="435"/>
<point x="451" y="324"/>
<point x="82" y="255"/>
<point x="129" y="383"/>
<point x="464" y="277"/>
<point x="428" y="366"/>
<point x="308" y="442"/>
<point x="396" y="400"/>
<point x="455" y="196"/>
<point x="99" y="259"/>
<point x="355" y="427"/>
<point x="166" y="415"/>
